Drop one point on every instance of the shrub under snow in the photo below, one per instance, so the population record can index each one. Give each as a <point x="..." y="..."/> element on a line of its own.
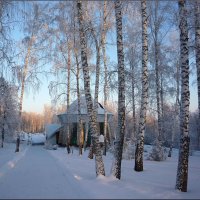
<point x="158" y="152"/>
<point x="128" y="151"/>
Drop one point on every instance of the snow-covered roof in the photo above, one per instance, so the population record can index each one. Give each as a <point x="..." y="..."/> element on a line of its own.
<point x="73" y="108"/>
<point x="51" y="129"/>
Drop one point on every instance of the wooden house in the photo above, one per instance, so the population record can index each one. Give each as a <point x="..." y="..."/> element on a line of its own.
<point x="71" y="118"/>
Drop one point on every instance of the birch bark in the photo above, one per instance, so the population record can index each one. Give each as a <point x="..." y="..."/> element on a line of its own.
<point x="182" y="170"/>
<point x="176" y="117"/>
<point x="105" y="75"/>
<point x="116" y="165"/>
<point x="90" y="108"/>
<point x="24" y="75"/>
<point x="197" y="42"/>
<point x="144" y="98"/>
<point x="68" y="95"/>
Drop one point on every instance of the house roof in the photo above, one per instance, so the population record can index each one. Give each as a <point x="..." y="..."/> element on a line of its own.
<point x="51" y="129"/>
<point x="73" y="108"/>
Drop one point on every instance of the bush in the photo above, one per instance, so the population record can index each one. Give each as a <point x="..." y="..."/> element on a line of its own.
<point x="158" y="153"/>
<point x="128" y="151"/>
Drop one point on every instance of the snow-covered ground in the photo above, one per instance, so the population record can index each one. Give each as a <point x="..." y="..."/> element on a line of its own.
<point x="35" y="172"/>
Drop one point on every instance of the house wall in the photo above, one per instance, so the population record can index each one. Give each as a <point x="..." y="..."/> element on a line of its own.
<point x="73" y="120"/>
<point x="74" y="137"/>
<point x="50" y="142"/>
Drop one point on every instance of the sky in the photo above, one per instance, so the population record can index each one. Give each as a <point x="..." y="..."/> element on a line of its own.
<point x="34" y="102"/>
<point x="38" y="173"/>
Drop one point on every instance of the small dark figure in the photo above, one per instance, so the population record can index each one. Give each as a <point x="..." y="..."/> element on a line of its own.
<point x="68" y="149"/>
<point x="17" y="143"/>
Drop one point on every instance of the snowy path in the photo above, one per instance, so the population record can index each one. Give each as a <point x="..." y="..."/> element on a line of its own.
<point x="38" y="175"/>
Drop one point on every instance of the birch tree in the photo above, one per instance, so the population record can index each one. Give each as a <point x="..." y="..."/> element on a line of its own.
<point x="80" y="124"/>
<point x="105" y="74"/>
<point x="96" y="94"/>
<point x="90" y="108"/>
<point x="133" y="52"/>
<point x="182" y="170"/>
<point x="29" y="68"/>
<point x="116" y="165"/>
<point x="177" y="108"/>
<point x="9" y="111"/>
<point x="197" y="48"/>
<point x="159" y="29"/>
<point x="144" y="98"/>
<point x="32" y="48"/>
<point x="68" y="93"/>
<point x="65" y="31"/>
<point x="98" y="49"/>
<point x="99" y="40"/>
<point x="25" y="71"/>
<point x="158" y="87"/>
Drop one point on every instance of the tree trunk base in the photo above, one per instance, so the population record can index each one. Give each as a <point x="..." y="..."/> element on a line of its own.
<point x="138" y="159"/>
<point x="182" y="172"/>
<point x="80" y="149"/>
<point x="68" y="149"/>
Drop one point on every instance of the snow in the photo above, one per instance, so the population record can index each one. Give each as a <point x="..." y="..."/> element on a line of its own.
<point x="35" y="172"/>
<point x="38" y="138"/>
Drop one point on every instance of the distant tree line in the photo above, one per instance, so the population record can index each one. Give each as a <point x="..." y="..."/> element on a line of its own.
<point x="35" y="122"/>
<point x="32" y="122"/>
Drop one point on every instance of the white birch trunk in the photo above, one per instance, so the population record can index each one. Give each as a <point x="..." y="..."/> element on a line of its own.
<point x="158" y="89"/>
<point x="25" y="70"/>
<point x="80" y="124"/>
<point x="116" y="166"/>
<point x="132" y="68"/>
<point x="176" y="117"/>
<point x="197" y="44"/>
<point x="105" y="76"/>
<point x="68" y="95"/>
<point x="90" y="108"/>
<point x="98" y="48"/>
<point x="182" y="170"/>
<point x="86" y="135"/>
<point x="144" y="99"/>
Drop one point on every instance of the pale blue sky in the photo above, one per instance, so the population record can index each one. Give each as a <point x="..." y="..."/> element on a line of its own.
<point x="35" y="102"/>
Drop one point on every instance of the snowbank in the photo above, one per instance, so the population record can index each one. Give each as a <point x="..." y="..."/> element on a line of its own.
<point x="38" y="138"/>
